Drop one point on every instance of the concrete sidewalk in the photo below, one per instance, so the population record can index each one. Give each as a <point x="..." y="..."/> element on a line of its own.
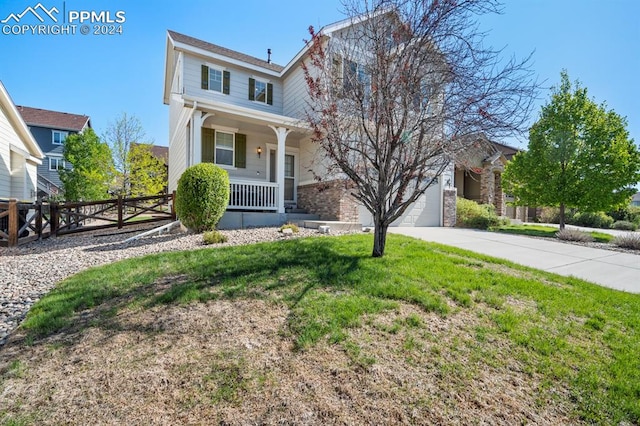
<point x="612" y="269"/>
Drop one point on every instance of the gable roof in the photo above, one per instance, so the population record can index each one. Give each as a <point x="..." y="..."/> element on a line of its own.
<point x="15" y="119"/>
<point x="223" y="51"/>
<point x="160" y="152"/>
<point x="53" y="119"/>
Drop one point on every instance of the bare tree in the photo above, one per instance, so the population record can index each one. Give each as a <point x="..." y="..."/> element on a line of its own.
<point x="396" y="96"/>
<point x="121" y="135"/>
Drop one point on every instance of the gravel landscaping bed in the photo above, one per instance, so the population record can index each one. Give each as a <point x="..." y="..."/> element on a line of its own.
<point x="28" y="272"/>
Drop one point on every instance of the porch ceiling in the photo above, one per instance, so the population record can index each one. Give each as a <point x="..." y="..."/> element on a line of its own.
<point x="246" y="118"/>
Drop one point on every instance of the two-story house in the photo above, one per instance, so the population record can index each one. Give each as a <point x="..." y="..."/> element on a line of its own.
<point x="246" y="115"/>
<point x="50" y="129"/>
<point x="19" y="153"/>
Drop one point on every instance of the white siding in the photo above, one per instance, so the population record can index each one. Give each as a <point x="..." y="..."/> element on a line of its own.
<point x="31" y="177"/>
<point x="7" y="135"/>
<point x="178" y="118"/>
<point x="13" y="167"/>
<point x="295" y="94"/>
<point x="239" y="85"/>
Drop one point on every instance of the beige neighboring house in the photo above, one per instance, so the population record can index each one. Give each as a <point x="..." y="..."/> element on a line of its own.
<point x="478" y="177"/>
<point x="20" y="155"/>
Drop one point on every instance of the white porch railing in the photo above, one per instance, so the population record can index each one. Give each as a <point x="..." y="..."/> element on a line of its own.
<point x="253" y="195"/>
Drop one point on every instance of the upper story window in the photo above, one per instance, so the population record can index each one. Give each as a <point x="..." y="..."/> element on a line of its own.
<point x="56" y="163"/>
<point x="260" y="91"/>
<point x="356" y="76"/>
<point x="214" y="79"/>
<point x="58" y="137"/>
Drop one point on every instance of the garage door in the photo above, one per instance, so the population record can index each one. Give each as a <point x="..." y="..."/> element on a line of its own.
<point x="424" y="212"/>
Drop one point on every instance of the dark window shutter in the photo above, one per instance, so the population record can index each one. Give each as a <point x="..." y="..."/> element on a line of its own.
<point x="252" y="89"/>
<point x="205" y="77"/>
<point x="270" y="93"/>
<point x="241" y="151"/>
<point x="226" y="82"/>
<point x="208" y="145"/>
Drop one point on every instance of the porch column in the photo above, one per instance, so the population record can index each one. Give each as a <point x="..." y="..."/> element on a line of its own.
<point x="281" y="134"/>
<point x="196" y="128"/>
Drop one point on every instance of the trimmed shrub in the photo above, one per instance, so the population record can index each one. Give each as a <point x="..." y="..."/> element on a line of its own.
<point x="592" y="220"/>
<point x="630" y="241"/>
<point x="291" y="226"/>
<point x="624" y="225"/>
<point x="470" y="214"/>
<point x="214" y="237"/>
<point x="627" y="213"/>
<point x="550" y="215"/>
<point x="202" y="196"/>
<point x="574" y="235"/>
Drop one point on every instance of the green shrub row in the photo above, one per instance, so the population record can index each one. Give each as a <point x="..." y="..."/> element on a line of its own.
<point x="627" y="219"/>
<point x="470" y="214"/>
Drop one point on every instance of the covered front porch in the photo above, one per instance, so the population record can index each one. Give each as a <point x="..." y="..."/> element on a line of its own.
<point x="260" y="151"/>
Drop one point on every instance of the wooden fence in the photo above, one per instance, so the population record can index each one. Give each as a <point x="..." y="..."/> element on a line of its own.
<point x="24" y="222"/>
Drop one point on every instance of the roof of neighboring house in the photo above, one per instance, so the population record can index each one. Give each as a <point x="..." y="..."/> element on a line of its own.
<point x="54" y="119"/>
<point x="15" y="119"/>
<point x="636" y="197"/>
<point x="506" y="150"/>
<point x="214" y="48"/>
<point x="160" y="152"/>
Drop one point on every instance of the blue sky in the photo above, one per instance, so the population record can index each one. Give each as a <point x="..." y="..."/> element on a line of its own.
<point x="104" y="75"/>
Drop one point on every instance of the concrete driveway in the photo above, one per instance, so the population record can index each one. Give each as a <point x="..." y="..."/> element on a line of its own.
<point x="612" y="269"/>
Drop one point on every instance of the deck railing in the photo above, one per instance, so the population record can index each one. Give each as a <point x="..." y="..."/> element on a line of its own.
<point x="253" y="195"/>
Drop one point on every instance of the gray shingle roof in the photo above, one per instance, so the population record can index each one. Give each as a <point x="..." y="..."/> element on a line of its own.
<point x="214" y="48"/>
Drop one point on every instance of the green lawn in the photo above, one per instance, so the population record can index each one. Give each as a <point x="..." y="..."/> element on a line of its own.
<point x="570" y="333"/>
<point x="546" y="231"/>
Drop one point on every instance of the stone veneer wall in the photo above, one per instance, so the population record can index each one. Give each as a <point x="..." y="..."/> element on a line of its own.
<point x="491" y="188"/>
<point x="330" y="200"/>
<point x="449" y="207"/>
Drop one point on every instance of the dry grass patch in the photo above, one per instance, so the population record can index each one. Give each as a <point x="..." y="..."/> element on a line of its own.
<point x="233" y="362"/>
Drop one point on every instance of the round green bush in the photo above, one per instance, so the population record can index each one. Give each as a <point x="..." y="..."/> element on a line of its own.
<point x="592" y="220"/>
<point x="202" y="196"/>
<point x="624" y="225"/>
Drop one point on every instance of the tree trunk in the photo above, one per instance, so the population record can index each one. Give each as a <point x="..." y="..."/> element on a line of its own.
<point x="561" y="216"/>
<point x="379" y="239"/>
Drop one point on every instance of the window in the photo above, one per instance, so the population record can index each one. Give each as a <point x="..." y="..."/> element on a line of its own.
<point x="260" y="91"/>
<point x="56" y="163"/>
<point x="224" y="148"/>
<point x="59" y="137"/>
<point x="356" y="76"/>
<point x="215" y="79"/>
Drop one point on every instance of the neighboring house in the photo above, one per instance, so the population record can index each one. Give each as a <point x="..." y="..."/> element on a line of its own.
<point x="19" y="153"/>
<point x="247" y="116"/>
<point x="478" y="177"/>
<point x="635" y="200"/>
<point x="50" y="129"/>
